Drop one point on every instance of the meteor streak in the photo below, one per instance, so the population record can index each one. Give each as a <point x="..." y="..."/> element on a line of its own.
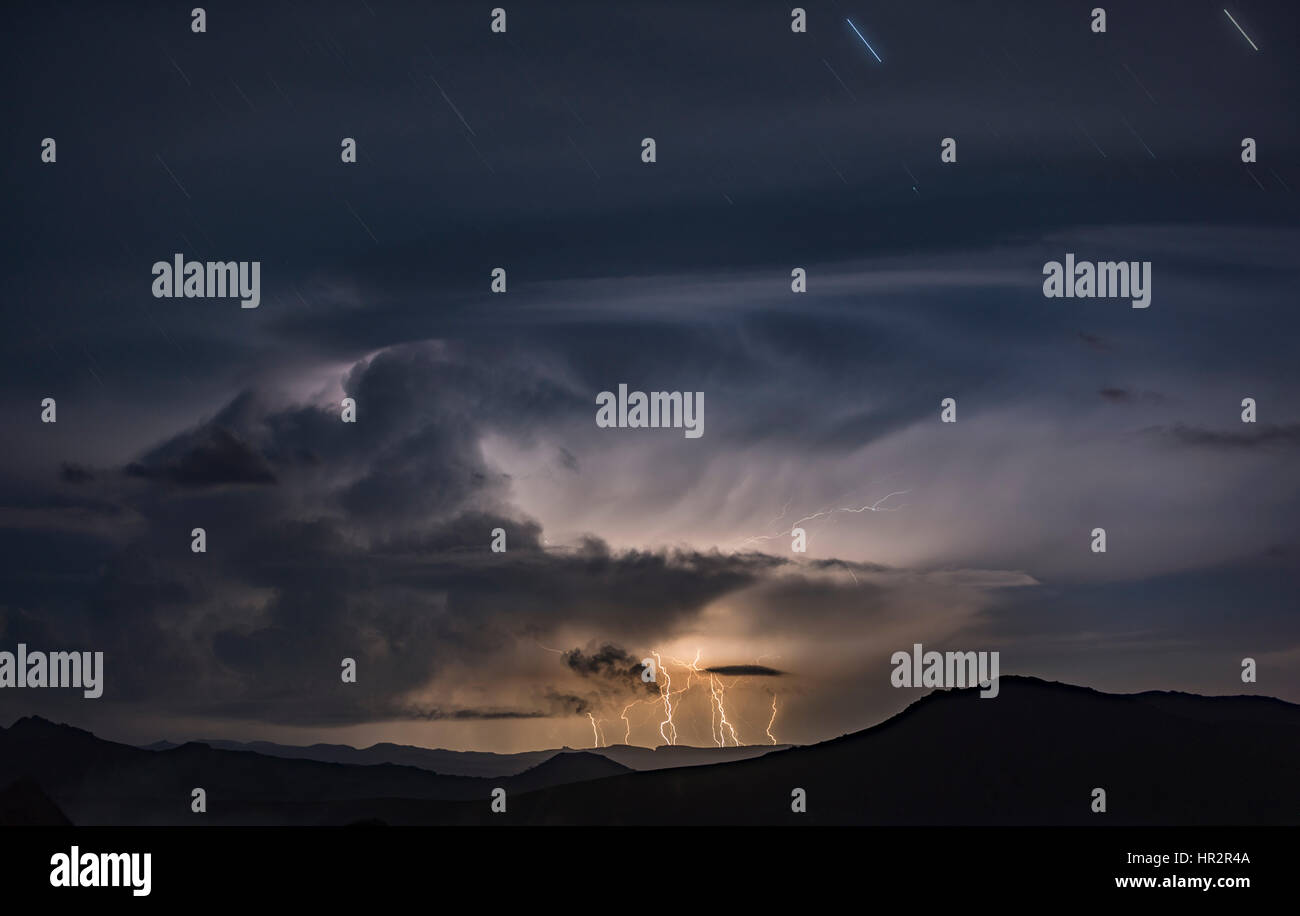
<point x="1234" y="22"/>
<point x="873" y="50"/>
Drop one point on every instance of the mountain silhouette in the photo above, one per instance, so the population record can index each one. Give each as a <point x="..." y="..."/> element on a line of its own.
<point x="437" y="760"/>
<point x="667" y="757"/>
<point x="482" y="763"/>
<point x="102" y="782"/>
<point x="1032" y="755"/>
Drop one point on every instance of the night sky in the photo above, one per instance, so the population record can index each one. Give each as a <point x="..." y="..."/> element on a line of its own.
<point x="476" y="410"/>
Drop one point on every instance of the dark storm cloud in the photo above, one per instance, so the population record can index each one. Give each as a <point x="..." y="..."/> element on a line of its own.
<point x="1265" y="436"/>
<point x="569" y="704"/>
<point x="210" y="456"/>
<point x="741" y="108"/>
<point x="607" y="661"/>
<point x="432" y="715"/>
<point x="75" y="473"/>
<point x="1129" y="396"/>
<point x="745" y="670"/>
<point x="616" y="668"/>
<point x="369" y="540"/>
<point x="568" y="460"/>
<point x="377" y="549"/>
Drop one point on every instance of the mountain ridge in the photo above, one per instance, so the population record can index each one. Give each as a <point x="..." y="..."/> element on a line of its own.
<point x="1032" y="755"/>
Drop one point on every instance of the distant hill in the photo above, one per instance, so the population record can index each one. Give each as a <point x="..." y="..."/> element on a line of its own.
<point x="1033" y="755"/>
<point x="101" y="782"/>
<point x="565" y="768"/>
<point x="448" y="763"/>
<point x="665" y="757"/>
<point x="480" y="763"/>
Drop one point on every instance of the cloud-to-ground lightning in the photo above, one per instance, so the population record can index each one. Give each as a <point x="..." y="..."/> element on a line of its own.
<point x="627" y="735"/>
<point x="1239" y="29"/>
<point x="867" y="43"/>
<point x="723" y="731"/>
<point x="718" y="694"/>
<point x="666" y="691"/>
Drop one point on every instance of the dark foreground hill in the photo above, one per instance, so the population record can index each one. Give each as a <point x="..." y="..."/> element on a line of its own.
<point x="100" y="782"/>
<point x="24" y="804"/>
<point x="1032" y="755"/>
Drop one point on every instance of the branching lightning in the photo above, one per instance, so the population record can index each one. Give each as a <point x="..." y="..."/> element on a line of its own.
<point x="722" y="729"/>
<point x="666" y="692"/>
<point x="627" y="736"/>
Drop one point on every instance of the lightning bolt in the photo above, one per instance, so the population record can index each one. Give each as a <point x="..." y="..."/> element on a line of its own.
<point x="693" y="671"/>
<point x="877" y="506"/>
<point x="719" y="691"/>
<point x="627" y="735"/>
<point x="666" y="692"/>
<point x="784" y="510"/>
<point x="723" y="730"/>
<point x="595" y="731"/>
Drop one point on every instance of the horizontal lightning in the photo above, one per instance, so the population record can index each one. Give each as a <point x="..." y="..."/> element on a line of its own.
<point x="877" y="506"/>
